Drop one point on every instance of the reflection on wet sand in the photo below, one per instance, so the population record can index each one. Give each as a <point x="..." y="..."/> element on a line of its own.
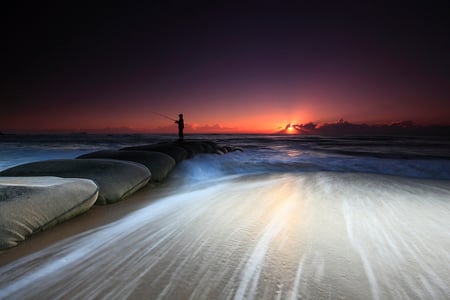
<point x="314" y="235"/>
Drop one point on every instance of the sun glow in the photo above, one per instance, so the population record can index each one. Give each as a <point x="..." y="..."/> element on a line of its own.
<point x="289" y="129"/>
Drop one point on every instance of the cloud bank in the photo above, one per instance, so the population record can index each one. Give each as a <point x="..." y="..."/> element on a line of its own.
<point x="343" y="127"/>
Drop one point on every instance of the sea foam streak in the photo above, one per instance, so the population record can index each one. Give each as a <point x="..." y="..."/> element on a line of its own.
<point x="285" y="236"/>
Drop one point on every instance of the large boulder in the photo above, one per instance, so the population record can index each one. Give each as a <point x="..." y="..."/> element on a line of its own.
<point x="191" y="149"/>
<point x="196" y="147"/>
<point x="158" y="163"/>
<point x="176" y="152"/>
<point x="116" y="179"/>
<point x="190" y="152"/>
<point x="32" y="204"/>
<point x="210" y="147"/>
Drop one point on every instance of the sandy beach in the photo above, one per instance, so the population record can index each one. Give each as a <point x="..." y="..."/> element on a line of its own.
<point x="95" y="217"/>
<point x="310" y="236"/>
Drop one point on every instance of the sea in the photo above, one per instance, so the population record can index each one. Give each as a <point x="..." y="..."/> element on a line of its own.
<point x="418" y="157"/>
<point x="282" y="217"/>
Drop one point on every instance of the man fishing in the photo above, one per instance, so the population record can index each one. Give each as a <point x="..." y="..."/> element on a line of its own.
<point x="180" y="123"/>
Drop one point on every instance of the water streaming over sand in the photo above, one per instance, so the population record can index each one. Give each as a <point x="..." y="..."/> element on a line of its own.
<point x="266" y="226"/>
<point x="316" y="235"/>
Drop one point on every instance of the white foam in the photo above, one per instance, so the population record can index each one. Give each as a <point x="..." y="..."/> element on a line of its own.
<point x="315" y="235"/>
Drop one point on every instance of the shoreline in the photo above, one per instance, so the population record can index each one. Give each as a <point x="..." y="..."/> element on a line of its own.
<point x="117" y="174"/>
<point x="314" y="232"/>
<point x="97" y="216"/>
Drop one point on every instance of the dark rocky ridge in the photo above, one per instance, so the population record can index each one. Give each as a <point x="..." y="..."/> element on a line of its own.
<point x="116" y="173"/>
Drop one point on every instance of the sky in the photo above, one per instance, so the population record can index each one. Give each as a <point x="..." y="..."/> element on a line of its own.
<point x="246" y="66"/>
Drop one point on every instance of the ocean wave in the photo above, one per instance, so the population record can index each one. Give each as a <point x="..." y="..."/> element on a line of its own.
<point x="287" y="236"/>
<point x="422" y="157"/>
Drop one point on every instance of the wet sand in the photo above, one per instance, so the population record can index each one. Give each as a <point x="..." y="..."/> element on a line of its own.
<point x="97" y="216"/>
<point x="313" y="236"/>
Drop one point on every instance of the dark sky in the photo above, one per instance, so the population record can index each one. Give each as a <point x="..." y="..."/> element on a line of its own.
<point x="242" y="66"/>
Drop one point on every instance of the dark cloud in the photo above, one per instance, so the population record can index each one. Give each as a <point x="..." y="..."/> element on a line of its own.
<point x="343" y="128"/>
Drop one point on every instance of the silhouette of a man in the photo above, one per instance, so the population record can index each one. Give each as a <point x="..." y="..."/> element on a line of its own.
<point x="180" y="123"/>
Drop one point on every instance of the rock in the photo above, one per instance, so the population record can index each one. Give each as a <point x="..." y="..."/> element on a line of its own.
<point x="192" y="148"/>
<point x="209" y="147"/>
<point x="32" y="204"/>
<point x="190" y="151"/>
<point x="176" y="152"/>
<point x="116" y="179"/>
<point x="158" y="163"/>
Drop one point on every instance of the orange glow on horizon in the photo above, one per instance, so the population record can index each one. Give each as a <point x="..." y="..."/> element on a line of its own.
<point x="247" y="118"/>
<point x="148" y="123"/>
<point x="290" y="129"/>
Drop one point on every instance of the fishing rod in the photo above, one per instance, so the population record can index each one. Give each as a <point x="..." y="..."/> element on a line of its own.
<point x="164" y="116"/>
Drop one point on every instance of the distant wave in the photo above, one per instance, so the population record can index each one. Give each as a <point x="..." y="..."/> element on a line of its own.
<point x="422" y="157"/>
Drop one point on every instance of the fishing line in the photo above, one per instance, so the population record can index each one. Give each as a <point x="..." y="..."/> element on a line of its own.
<point x="162" y="115"/>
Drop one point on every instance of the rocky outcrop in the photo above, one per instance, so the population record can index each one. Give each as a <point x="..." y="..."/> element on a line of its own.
<point x="115" y="179"/>
<point x="37" y="195"/>
<point x="159" y="164"/>
<point x="32" y="204"/>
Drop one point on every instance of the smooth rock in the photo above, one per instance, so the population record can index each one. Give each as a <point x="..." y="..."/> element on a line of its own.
<point x="176" y="152"/>
<point x="158" y="163"/>
<point x="32" y="204"/>
<point x="116" y="179"/>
